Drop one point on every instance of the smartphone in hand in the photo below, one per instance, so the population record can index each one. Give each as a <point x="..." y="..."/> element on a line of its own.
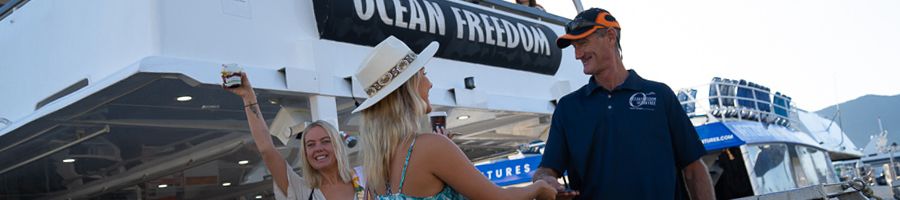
<point x="438" y="121"/>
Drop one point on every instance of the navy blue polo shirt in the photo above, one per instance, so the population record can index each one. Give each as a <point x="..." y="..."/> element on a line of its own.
<point x="628" y="143"/>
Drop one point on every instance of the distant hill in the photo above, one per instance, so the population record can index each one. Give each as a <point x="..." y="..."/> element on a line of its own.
<point x="859" y="117"/>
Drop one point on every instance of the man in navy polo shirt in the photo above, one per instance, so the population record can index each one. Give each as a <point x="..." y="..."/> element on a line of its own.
<point x="620" y="136"/>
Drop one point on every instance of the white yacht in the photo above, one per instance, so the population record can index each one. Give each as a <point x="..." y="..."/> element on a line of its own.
<point x="122" y="99"/>
<point x="759" y="145"/>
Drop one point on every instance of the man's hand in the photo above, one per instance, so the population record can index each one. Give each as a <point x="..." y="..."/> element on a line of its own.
<point x="550" y="176"/>
<point x="544" y="190"/>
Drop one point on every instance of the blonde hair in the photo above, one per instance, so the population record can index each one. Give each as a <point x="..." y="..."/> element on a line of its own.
<point x="394" y="119"/>
<point x="312" y="176"/>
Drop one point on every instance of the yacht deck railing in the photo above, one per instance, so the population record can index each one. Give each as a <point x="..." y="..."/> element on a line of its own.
<point x="727" y="99"/>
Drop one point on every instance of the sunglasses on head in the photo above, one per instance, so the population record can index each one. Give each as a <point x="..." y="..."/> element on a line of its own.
<point x="579" y="26"/>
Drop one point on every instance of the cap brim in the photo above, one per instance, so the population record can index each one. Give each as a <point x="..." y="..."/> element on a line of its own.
<point x="565" y="40"/>
<point x="414" y="67"/>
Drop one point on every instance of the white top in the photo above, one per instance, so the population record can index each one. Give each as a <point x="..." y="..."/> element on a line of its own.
<point x="297" y="188"/>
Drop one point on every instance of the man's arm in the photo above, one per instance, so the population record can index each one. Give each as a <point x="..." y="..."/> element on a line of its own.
<point x="689" y="150"/>
<point x="556" y="155"/>
<point x="699" y="184"/>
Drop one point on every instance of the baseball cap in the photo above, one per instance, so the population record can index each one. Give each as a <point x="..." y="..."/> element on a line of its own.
<point x="586" y="23"/>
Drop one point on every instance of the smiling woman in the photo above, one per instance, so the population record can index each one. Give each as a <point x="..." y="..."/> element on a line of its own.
<point x="326" y="170"/>
<point x="323" y="153"/>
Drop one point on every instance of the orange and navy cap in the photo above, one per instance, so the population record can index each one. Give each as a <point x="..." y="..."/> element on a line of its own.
<point x="586" y="23"/>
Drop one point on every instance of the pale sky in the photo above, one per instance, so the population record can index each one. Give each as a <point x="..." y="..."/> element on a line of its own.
<point x="820" y="52"/>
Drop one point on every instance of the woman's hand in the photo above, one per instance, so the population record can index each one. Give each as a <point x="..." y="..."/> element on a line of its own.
<point x="444" y="132"/>
<point x="245" y="90"/>
<point x="543" y="190"/>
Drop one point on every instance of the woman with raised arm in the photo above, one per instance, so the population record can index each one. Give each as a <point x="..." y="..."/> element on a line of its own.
<point x="400" y="161"/>
<point x="327" y="173"/>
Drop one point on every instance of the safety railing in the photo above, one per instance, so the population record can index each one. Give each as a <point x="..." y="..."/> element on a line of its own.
<point x="727" y="99"/>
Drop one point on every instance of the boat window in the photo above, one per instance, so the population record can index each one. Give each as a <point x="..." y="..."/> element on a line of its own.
<point x="771" y="169"/>
<point x="813" y="167"/>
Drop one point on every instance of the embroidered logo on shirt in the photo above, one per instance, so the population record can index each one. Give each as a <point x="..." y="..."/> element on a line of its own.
<point x="642" y="101"/>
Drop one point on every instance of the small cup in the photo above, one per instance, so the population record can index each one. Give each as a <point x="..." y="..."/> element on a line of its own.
<point x="438" y="120"/>
<point x="231" y="75"/>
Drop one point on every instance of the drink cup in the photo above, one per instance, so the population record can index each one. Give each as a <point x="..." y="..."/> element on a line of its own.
<point x="231" y="75"/>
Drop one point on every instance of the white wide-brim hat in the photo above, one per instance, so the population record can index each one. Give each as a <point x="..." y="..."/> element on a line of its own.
<point x="389" y="65"/>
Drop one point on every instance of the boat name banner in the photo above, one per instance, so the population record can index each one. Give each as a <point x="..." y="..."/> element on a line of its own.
<point x="509" y="172"/>
<point x="465" y="33"/>
<point x="717" y="136"/>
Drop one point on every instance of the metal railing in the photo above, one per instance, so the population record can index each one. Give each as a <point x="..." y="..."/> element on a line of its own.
<point x="728" y="104"/>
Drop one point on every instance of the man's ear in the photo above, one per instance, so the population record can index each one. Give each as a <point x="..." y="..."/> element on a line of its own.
<point x="611" y="35"/>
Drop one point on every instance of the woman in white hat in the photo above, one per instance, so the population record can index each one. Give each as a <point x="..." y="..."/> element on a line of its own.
<point x="399" y="161"/>
<point x="325" y="165"/>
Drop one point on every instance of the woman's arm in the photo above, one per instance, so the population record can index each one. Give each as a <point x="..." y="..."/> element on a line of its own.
<point x="260" y="131"/>
<point x="453" y="167"/>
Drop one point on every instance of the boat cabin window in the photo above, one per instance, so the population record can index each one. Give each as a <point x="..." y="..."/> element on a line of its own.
<point x="777" y="167"/>
<point x="813" y="167"/>
<point x="733" y="181"/>
<point x="770" y="168"/>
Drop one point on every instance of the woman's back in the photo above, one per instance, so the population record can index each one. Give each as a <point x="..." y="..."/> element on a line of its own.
<point x="419" y="158"/>
<point x="438" y="169"/>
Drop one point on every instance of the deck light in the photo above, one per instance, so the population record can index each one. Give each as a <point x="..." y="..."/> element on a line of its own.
<point x="184" y="98"/>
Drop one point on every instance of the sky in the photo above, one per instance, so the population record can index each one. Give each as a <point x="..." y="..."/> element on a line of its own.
<point x="820" y="52"/>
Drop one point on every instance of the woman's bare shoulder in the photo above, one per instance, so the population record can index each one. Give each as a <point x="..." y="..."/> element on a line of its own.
<point x="436" y="146"/>
<point x="434" y="140"/>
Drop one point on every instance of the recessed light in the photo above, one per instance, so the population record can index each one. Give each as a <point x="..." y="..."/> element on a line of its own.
<point x="162" y="186"/>
<point x="463" y="117"/>
<point x="243" y="162"/>
<point x="69" y="160"/>
<point x="226" y="184"/>
<point x="184" y="98"/>
<point x="258" y="196"/>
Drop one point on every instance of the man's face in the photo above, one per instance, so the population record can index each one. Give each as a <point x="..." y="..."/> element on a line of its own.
<point x="594" y="51"/>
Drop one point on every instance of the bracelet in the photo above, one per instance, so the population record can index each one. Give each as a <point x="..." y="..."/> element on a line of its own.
<point x="251" y="104"/>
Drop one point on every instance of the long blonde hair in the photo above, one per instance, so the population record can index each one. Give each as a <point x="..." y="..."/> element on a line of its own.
<point x="312" y="176"/>
<point x="385" y="125"/>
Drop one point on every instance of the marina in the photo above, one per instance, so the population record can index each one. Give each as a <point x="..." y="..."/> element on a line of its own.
<point x="127" y="102"/>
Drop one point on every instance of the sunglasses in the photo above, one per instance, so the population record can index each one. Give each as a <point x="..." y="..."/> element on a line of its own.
<point x="577" y="27"/>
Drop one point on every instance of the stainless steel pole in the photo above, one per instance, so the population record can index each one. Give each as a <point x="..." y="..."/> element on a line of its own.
<point x="578" y="6"/>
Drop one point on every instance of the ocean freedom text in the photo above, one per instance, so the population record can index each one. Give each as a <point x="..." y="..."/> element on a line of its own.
<point x="427" y="16"/>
